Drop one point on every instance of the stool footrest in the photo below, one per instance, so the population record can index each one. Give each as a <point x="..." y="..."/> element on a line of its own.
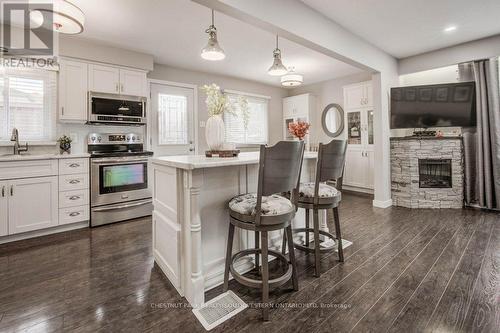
<point x="311" y="249"/>
<point x="255" y="283"/>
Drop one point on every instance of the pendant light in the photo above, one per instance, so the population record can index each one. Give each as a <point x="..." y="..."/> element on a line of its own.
<point x="277" y="68"/>
<point x="292" y="79"/>
<point x="66" y="17"/>
<point x="212" y="51"/>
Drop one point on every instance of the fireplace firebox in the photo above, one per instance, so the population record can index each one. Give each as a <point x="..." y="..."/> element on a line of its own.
<point x="434" y="173"/>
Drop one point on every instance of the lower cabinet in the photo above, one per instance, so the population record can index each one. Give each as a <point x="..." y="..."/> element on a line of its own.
<point x="359" y="168"/>
<point x="4" y="212"/>
<point x="32" y="204"/>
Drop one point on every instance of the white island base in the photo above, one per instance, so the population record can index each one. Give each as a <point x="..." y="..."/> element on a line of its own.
<point x="191" y="218"/>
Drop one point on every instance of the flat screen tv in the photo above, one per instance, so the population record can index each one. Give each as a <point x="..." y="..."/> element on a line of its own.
<point x="439" y="105"/>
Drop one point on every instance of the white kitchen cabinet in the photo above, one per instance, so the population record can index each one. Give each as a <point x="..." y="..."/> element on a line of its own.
<point x="4" y="212"/>
<point x="73" y="83"/>
<point x="115" y="80"/>
<point x="300" y="107"/>
<point x="133" y="83"/>
<point x="358" y="95"/>
<point x="104" y="79"/>
<point x="32" y="204"/>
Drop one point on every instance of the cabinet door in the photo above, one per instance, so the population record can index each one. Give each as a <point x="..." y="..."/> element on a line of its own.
<point x="104" y="79"/>
<point x="368" y="94"/>
<point x="32" y="204"/>
<point x="355" y="133"/>
<point x="73" y="85"/>
<point x="132" y="83"/>
<point x="354" y="96"/>
<point x="355" y="169"/>
<point x="287" y="107"/>
<point x="370" y="163"/>
<point x="4" y="216"/>
<point x="301" y="106"/>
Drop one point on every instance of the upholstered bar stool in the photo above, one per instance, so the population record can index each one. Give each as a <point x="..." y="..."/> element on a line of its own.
<point x="320" y="195"/>
<point x="265" y="211"/>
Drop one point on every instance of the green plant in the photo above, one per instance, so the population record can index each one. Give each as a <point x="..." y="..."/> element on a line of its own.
<point x="64" y="140"/>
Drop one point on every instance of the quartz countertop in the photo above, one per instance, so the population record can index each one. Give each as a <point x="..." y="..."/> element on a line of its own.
<point x="191" y="162"/>
<point x="30" y="157"/>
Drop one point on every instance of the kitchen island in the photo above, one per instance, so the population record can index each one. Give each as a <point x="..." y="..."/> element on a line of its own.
<point x="191" y="218"/>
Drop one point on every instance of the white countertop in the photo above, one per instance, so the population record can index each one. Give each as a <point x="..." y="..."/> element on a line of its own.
<point x="191" y="162"/>
<point x="29" y="157"/>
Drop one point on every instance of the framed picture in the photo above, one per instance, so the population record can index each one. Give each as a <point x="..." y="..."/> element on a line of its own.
<point x="442" y="94"/>
<point x="425" y="94"/>
<point x="461" y="94"/>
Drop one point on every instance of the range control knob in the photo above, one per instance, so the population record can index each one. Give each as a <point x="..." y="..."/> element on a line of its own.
<point x="133" y="138"/>
<point x="93" y="138"/>
<point x="99" y="139"/>
<point x="128" y="138"/>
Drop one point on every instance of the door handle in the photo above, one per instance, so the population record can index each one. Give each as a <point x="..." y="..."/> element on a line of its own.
<point x="3" y="191"/>
<point x="11" y="190"/>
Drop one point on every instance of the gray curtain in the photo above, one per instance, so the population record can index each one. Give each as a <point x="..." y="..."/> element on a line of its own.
<point x="482" y="144"/>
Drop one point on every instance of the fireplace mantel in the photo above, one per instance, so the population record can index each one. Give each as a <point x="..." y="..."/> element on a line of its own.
<point x="405" y="176"/>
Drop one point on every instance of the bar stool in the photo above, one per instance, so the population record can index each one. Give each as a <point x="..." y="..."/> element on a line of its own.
<point x="265" y="211"/>
<point x="319" y="195"/>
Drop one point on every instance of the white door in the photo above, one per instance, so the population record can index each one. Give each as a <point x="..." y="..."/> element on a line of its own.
<point x="172" y="120"/>
<point x="355" y="172"/>
<point x="73" y="85"/>
<point x="132" y="83"/>
<point x="32" y="204"/>
<point x="4" y="215"/>
<point x="104" y="79"/>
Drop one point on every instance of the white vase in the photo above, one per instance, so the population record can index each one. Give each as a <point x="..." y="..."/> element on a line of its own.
<point x="215" y="132"/>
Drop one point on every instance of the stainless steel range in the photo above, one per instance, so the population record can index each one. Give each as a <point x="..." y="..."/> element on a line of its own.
<point x="119" y="178"/>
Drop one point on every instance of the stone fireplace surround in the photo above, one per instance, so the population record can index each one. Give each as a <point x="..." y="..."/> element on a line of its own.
<point x="405" y="154"/>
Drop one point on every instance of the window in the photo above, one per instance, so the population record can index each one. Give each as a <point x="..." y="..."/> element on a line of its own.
<point x="28" y="103"/>
<point x="172" y="119"/>
<point x="256" y="131"/>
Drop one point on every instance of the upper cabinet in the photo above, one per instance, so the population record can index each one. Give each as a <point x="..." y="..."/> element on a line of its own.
<point x="358" y="96"/>
<point x="73" y="84"/>
<point x="114" y="80"/>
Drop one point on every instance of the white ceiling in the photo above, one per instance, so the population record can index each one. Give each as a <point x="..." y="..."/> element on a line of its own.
<point x="407" y="27"/>
<point x="173" y="32"/>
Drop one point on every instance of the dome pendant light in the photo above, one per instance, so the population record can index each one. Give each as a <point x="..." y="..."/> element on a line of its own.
<point x="277" y="68"/>
<point x="212" y="51"/>
<point x="292" y="79"/>
<point x="67" y="18"/>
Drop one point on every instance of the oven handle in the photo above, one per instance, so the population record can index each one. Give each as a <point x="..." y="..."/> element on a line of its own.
<point x="122" y="206"/>
<point x="124" y="160"/>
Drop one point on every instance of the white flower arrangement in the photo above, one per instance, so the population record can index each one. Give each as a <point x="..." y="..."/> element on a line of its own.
<point x="218" y="103"/>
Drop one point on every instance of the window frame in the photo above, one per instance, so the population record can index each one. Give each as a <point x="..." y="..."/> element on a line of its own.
<point x="250" y="96"/>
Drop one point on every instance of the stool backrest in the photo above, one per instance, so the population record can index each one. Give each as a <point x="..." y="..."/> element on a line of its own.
<point x="279" y="170"/>
<point x="331" y="160"/>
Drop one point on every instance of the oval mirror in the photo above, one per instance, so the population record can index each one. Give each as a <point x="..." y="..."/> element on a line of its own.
<point x="332" y="120"/>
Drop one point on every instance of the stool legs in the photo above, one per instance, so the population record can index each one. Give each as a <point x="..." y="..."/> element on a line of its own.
<point x="265" y="276"/>
<point x="283" y="243"/>
<point x="338" y="234"/>
<point x="229" y="252"/>
<point x="307" y="227"/>
<point x="291" y="250"/>
<point x="317" y="272"/>
<point x="257" y="246"/>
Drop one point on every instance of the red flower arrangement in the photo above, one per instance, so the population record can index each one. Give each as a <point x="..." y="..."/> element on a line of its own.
<point x="299" y="129"/>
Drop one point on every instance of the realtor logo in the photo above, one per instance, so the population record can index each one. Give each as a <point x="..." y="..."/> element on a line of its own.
<point x="27" y="29"/>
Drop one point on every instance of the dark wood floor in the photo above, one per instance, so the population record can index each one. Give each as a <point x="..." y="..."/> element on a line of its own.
<point x="407" y="271"/>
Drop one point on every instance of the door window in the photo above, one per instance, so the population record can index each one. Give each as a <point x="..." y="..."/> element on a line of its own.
<point x="354" y="128"/>
<point x="172" y="120"/>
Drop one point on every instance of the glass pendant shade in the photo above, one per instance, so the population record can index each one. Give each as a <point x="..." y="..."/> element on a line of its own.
<point x="277" y="68"/>
<point x="67" y="18"/>
<point x="212" y="51"/>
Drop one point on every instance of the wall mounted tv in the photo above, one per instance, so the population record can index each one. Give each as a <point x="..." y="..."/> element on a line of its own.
<point x="439" y="105"/>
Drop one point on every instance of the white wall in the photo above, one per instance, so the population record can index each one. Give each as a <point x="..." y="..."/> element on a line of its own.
<point x="167" y="73"/>
<point x="327" y="92"/>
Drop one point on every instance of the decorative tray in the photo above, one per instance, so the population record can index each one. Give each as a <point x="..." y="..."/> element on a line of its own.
<point x="222" y="153"/>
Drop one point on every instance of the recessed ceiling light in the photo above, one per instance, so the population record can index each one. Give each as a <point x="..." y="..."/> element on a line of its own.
<point x="450" y="28"/>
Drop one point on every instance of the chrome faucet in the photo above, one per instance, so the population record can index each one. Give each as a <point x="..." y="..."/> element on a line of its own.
<point x="15" y="137"/>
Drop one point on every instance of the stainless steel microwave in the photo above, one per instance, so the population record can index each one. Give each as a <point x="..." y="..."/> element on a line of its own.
<point x="116" y="109"/>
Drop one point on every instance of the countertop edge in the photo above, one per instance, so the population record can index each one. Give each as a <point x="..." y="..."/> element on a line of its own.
<point x="20" y="158"/>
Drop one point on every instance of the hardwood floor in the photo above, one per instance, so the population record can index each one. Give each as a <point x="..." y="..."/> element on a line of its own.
<point x="407" y="270"/>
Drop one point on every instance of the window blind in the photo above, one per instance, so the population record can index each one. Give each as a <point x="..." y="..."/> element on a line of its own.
<point x="256" y="131"/>
<point x="172" y="119"/>
<point x="28" y="103"/>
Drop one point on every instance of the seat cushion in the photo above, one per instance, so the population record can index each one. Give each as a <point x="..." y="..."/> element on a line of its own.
<point x="325" y="191"/>
<point x="271" y="205"/>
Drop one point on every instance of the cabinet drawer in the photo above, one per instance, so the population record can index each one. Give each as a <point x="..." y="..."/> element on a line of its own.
<point x="26" y="169"/>
<point x="73" y="214"/>
<point x="70" y="166"/>
<point x="73" y="198"/>
<point x="73" y="182"/>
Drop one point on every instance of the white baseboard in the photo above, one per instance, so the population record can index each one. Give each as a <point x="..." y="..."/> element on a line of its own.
<point x="382" y="204"/>
<point x="357" y="189"/>
<point x="44" y="232"/>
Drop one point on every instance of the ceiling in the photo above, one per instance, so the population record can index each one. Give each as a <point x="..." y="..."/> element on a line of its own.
<point x="173" y="32"/>
<point x="404" y="28"/>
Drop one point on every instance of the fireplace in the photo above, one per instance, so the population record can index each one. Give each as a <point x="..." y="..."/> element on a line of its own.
<point x="434" y="173"/>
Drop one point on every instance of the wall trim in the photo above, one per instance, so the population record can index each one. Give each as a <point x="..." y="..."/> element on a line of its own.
<point x="382" y="204"/>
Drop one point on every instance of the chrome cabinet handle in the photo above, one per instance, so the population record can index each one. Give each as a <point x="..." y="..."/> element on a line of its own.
<point x="121" y="87"/>
<point x="11" y="190"/>
<point x="74" y="181"/>
<point x="62" y="110"/>
<point x="74" y="165"/>
<point x="74" y="214"/>
<point x="3" y="191"/>
<point x="74" y="197"/>
<point x="116" y="87"/>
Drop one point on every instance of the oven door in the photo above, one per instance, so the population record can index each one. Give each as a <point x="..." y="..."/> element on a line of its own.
<point x="115" y="180"/>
